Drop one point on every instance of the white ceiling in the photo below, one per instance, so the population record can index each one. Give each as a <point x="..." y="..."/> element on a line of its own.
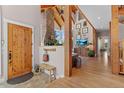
<point x="98" y="15"/>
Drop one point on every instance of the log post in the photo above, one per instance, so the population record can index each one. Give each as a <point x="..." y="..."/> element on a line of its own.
<point x="114" y="34"/>
<point x="68" y="41"/>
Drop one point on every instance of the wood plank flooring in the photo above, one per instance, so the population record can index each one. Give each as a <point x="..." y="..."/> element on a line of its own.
<point x="95" y="72"/>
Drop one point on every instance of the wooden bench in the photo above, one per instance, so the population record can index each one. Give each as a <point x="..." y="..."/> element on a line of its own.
<point x="50" y="69"/>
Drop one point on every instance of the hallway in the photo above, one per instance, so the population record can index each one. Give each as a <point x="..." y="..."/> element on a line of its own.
<point x="95" y="72"/>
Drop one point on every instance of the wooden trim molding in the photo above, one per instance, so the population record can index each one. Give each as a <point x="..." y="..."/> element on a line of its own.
<point x="47" y="49"/>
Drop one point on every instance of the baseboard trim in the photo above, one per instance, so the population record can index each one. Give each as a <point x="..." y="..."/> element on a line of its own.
<point x="59" y="76"/>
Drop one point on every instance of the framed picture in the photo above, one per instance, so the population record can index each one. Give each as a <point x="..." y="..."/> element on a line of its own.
<point x="85" y="30"/>
<point x="78" y="25"/>
<point x="85" y="23"/>
<point x="78" y="30"/>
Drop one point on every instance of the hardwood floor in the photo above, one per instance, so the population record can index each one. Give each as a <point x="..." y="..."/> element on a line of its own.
<point x="95" y="72"/>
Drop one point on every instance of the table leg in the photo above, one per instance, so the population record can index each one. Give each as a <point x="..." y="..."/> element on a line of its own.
<point x="54" y="72"/>
<point x="42" y="70"/>
<point x="50" y="76"/>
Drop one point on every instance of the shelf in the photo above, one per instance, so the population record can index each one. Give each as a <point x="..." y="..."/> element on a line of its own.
<point x="49" y="49"/>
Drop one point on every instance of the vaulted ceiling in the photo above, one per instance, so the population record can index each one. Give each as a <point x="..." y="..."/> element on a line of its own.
<point x="58" y="16"/>
<point x="99" y="15"/>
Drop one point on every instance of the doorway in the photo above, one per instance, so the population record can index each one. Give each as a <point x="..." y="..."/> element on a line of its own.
<point x="19" y="50"/>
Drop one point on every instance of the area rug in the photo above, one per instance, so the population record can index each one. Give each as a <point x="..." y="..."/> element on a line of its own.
<point x="20" y="79"/>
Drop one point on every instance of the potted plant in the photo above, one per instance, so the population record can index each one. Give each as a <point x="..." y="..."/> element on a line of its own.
<point x="91" y="53"/>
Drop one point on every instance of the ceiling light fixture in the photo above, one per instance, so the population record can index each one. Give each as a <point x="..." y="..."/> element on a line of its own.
<point x="98" y="18"/>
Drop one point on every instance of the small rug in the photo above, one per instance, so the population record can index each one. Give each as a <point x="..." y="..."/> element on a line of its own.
<point x="20" y="79"/>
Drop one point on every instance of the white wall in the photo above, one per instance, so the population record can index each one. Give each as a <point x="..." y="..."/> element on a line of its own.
<point x="29" y="15"/>
<point x="56" y="58"/>
<point x="90" y="33"/>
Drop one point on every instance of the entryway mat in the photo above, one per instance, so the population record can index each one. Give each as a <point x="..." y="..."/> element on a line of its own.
<point x="20" y="79"/>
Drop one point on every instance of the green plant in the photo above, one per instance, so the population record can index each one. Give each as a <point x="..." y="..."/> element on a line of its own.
<point x="91" y="53"/>
<point x="51" y="42"/>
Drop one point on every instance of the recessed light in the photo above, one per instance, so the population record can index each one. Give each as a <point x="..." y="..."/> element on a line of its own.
<point x="99" y="18"/>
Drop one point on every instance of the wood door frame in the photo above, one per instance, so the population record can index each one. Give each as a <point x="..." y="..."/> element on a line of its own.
<point x="5" y="46"/>
<point x="114" y="35"/>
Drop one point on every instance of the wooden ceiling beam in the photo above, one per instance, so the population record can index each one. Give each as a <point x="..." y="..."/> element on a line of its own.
<point x="57" y="17"/>
<point x="73" y="19"/>
<point x="59" y="13"/>
<point x="55" y="8"/>
<point x="47" y="6"/>
<point x="121" y="11"/>
<point x="74" y="9"/>
<point x="122" y="21"/>
<point x="57" y="22"/>
<point x="62" y="18"/>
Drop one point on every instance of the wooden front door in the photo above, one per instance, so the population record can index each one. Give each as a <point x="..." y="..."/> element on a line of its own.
<point x="20" y="50"/>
